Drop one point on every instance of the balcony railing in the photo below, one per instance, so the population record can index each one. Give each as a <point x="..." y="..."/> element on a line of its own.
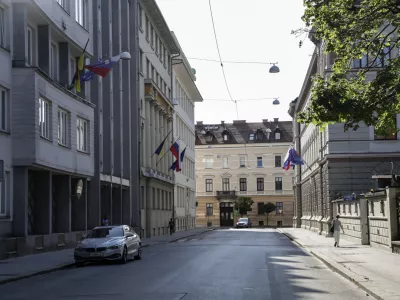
<point x="226" y="195"/>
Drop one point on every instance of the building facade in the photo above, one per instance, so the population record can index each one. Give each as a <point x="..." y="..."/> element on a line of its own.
<point x="186" y="94"/>
<point x="338" y="163"/>
<point x="243" y="160"/>
<point x="157" y="48"/>
<point x="115" y="188"/>
<point x="46" y="131"/>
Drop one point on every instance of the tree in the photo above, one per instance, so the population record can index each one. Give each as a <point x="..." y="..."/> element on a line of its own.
<point x="243" y="205"/>
<point x="355" y="29"/>
<point x="269" y="208"/>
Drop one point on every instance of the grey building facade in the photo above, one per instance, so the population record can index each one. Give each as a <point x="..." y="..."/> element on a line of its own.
<point x="338" y="163"/>
<point x="47" y="131"/>
<point x="115" y="189"/>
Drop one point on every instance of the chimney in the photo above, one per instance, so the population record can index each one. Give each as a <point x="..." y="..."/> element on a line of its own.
<point x="199" y="123"/>
<point x="222" y="123"/>
<point x="276" y="120"/>
<point x="239" y="121"/>
<point x="265" y="120"/>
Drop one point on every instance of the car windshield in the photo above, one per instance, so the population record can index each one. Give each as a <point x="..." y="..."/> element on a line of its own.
<point x="243" y="220"/>
<point x="105" y="233"/>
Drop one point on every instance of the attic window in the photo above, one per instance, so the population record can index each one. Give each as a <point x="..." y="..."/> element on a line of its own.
<point x="251" y="137"/>
<point x="277" y="135"/>
<point x="259" y="135"/>
<point x="225" y="136"/>
<point x="209" y="137"/>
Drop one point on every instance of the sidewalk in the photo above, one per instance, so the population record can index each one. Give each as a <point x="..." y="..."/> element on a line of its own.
<point x="32" y="265"/>
<point x="374" y="270"/>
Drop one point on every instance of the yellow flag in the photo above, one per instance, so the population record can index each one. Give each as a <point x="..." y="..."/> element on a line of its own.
<point x="80" y="62"/>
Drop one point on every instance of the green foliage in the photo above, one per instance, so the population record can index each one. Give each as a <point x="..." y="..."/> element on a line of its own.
<point x="351" y="32"/>
<point x="269" y="208"/>
<point x="243" y="205"/>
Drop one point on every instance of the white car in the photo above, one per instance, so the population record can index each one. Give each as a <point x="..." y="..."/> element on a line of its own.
<point x="113" y="243"/>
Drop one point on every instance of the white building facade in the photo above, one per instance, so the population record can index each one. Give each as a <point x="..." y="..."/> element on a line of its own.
<point x="157" y="47"/>
<point x="185" y="94"/>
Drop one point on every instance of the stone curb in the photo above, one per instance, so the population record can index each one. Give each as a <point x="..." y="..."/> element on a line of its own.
<point x="334" y="266"/>
<point x="69" y="266"/>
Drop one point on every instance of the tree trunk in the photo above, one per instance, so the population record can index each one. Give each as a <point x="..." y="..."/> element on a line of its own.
<point x="267" y="220"/>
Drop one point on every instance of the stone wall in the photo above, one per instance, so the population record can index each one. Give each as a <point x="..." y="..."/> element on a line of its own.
<point x="378" y="220"/>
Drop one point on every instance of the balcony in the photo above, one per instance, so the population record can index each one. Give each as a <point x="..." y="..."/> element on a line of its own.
<point x="226" y="195"/>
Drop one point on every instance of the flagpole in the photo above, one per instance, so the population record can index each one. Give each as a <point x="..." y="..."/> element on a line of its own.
<point x="73" y="79"/>
<point x="162" y="142"/>
<point x="169" y="149"/>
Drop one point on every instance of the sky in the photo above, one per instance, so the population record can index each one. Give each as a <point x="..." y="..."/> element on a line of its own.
<point x="251" y="30"/>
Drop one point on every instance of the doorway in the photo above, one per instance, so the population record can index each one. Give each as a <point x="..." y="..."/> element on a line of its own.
<point x="226" y="214"/>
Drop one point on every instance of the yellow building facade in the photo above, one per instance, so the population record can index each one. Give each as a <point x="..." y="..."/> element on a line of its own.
<point x="243" y="159"/>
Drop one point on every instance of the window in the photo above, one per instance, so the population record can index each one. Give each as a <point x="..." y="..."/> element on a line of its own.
<point x="261" y="208"/>
<point x="260" y="184"/>
<point x="147" y="28"/>
<point x="242" y="161"/>
<point x="165" y="88"/>
<point x="225" y="184"/>
<point x="161" y="52"/>
<point x="151" y="35"/>
<point x="209" y="185"/>
<point x="251" y="137"/>
<point x="243" y="184"/>
<point x="140" y="17"/>
<point x="81" y="12"/>
<point x="30" y="46"/>
<point x="156" y="43"/>
<point x="169" y="63"/>
<point x="391" y="134"/>
<point x="54" y="62"/>
<point x="277" y="135"/>
<point x="157" y="79"/>
<point x="208" y="162"/>
<point x="62" y="127"/>
<point x="44" y="118"/>
<point x="63" y="3"/>
<point x="279" y="208"/>
<point x="153" y="73"/>
<point x="278" y="183"/>
<point x="259" y="162"/>
<point x="209" y="211"/>
<point x="72" y="68"/>
<point x="2" y="28"/>
<point x="278" y="161"/>
<point x="169" y="95"/>
<point x="225" y="162"/>
<point x="148" y="69"/>
<point x="5" y="204"/>
<point x="165" y="58"/>
<point x="141" y="61"/>
<point x="82" y="135"/>
<point x="3" y="110"/>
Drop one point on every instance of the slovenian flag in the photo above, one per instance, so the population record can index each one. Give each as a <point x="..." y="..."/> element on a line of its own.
<point x="175" y="152"/>
<point x="102" y="68"/>
<point x="291" y="159"/>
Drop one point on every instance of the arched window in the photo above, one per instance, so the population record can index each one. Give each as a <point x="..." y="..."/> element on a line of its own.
<point x="277" y="133"/>
<point x="259" y="135"/>
<point x="225" y="136"/>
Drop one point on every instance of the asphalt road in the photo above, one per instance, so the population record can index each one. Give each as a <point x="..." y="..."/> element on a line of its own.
<point x="229" y="264"/>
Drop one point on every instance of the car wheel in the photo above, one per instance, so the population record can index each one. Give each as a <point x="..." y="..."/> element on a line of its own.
<point x="79" y="264"/>
<point x="139" y="255"/>
<point x="124" y="257"/>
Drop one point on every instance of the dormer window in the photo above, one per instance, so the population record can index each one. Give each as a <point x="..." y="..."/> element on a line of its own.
<point x="277" y="133"/>
<point x="268" y="133"/>
<point x="209" y="137"/>
<point x="259" y="135"/>
<point x="225" y="136"/>
<point x="251" y="137"/>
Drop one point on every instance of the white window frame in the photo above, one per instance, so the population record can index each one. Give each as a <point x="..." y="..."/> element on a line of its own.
<point x="54" y="61"/>
<point x="45" y="118"/>
<point x="81" y="10"/>
<point x="242" y="161"/>
<point x="63" y="126"/>
<point x="3" y="109"/>
<point x="3" y="26"/>
<point x="225" y="163"/>
<point x="63" y="3"/>
<point x="29" y="43"/>
<point x="277" y="135"/>
<point x="208" y="162"/>
<point x="82" y="135"/>
<point x="5" y="196"/>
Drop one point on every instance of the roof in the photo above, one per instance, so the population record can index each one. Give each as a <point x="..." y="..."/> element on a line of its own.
<point x="239" y="132"/>
<point x="157" y="17"/>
